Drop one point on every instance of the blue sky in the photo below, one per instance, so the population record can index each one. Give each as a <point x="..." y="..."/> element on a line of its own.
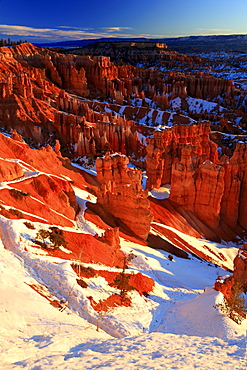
<point x="53" y="20"/>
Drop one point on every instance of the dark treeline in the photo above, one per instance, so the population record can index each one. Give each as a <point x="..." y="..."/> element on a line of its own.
<point x="10" y="42"/>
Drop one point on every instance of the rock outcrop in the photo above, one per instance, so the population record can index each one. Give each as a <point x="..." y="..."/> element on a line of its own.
<point x="209" y="188"/>
<point x="240" y="267"/>
<point x="111" y="237"/>
<point x="168" y="147"/>
<point x="113" y="168"/>
<point x="224" y="285"/>
<point x="214" y="189"/>
<point x="10" y="170"/>
<point x="121" y="194"/>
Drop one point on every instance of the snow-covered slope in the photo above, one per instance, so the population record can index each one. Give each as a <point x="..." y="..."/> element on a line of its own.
<point x="48" y="321"/>
<point x="181" y="330"/>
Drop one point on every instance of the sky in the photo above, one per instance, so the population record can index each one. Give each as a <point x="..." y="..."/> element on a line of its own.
<point x="53" y="20"/>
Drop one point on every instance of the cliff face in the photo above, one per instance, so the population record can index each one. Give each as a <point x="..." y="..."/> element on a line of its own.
<point x="121" y="194"/>
<point x="34" y="101"/>
<point x="213" y="189"/>
<point x="168" y="147"/>
<point x="240" y="267"/>
<point x="36" y="189"/>
<point x="209" y="187"/>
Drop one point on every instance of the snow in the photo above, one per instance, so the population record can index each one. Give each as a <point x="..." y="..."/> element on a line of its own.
<point x="91" y="170"/>
<point x="176" y="327"/>
<point x="237" y="121"/>
<point x="144" y="180"/>
<point x="162" y="193"/>
<point x="142" y="138"/>
<point x="159" y="118"/>
<point x="212" y="248"/>
<point x="196" y="105"/>
<point x="176" y="103"/>
<point x="200" y="105"/>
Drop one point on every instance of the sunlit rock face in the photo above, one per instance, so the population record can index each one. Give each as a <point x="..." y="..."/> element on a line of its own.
<point x="122" y="195"/>
<point x="240" y="266"/>
<point x="214" y="189"/>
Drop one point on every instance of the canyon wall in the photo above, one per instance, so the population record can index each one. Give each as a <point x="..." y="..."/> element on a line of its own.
<point x="214" y="189"/>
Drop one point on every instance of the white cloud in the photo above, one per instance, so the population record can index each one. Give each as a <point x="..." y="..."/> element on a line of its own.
<point x="222" y="30"/>
<point x="62" y="32"/>
<point x="76" y="28"/>
<point x="116" y="29"/>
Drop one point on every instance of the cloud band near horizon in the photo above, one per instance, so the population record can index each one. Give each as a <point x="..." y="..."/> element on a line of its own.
<point x="62" y="33"/>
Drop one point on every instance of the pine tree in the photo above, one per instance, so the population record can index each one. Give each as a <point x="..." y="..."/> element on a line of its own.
<point x="121" y="281"/>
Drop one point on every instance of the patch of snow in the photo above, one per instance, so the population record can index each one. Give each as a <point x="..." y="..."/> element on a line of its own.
<point x="162" y="193"/>
<point x="91" y="170"/>
<point x="142" y="138"/>
<point x="176" y="103"/>
<point x="199" y="105"/>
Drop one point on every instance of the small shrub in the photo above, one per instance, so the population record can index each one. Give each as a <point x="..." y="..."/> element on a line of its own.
<point x="18" y="194"/>
<point x="91" y="190"/>
<point x="16" y="213"/>
<point x="121" y="282"/>
<point x="55" y="236"/>
<point x="81" y="270"/>
<point x="87" y="271"/>
<point x="57" y="240"/>
<point x="4" y="212"/>
<point x="29" y="225"/>
<point x="82" y="283"/>
<point x="42" y="234"/>
<point x="145" y="294"/>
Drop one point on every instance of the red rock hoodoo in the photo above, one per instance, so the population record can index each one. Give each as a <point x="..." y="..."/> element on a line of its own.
<point x="121" y="194"/>
<point x="215" y="190"/>
<point x="240" y="267"/>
